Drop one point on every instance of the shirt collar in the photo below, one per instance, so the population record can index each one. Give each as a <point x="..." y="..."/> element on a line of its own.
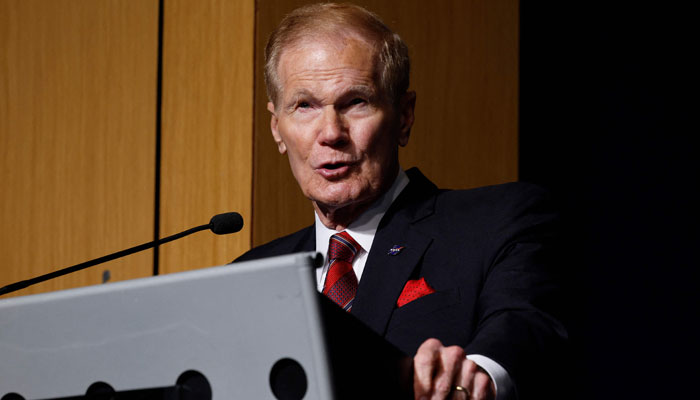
<point x="365" y="226"/>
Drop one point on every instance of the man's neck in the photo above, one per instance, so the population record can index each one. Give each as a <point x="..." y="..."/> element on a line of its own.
<point x="365" y="226"/>
<point x="339" y="219"/>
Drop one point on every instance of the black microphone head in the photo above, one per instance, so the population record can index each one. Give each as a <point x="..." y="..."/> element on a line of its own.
<point x="225" y="223"/>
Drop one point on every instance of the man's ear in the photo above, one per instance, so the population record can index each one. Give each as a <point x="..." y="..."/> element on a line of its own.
<point x="273" y="127"/>
<point x="407" y="108"/>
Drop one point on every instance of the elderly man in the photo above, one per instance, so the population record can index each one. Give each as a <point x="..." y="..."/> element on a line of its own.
<point x="458" y="278"/>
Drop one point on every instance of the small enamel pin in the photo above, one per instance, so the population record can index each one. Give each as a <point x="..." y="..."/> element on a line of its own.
<point x="396" y="249"/>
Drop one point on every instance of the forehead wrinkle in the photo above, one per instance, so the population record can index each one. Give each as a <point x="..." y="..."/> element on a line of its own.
<point x="313" y="83"/>
<point x="326" y="74"/>
<point x="327" y="69"/>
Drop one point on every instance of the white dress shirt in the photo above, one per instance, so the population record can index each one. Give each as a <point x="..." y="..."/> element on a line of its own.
<point x="363" y="230"/>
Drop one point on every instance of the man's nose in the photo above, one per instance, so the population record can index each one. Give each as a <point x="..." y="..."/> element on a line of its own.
<point x="333" y="130"/>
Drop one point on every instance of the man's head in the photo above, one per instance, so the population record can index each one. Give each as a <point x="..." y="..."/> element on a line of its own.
<point x="339" y="107"/>
<point x="330" y="21"/>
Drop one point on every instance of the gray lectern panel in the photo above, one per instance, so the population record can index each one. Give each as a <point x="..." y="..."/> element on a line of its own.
<point x="230" y="323"/>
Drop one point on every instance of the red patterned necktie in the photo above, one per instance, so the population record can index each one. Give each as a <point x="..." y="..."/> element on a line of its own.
<point x="341" y="282"/>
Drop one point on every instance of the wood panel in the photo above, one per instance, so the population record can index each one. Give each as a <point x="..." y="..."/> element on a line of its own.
<point x="278" y="205"/>
<point x="465" y="72"/>
<point x="77" y="118"/>
<point x="207" y="127"/>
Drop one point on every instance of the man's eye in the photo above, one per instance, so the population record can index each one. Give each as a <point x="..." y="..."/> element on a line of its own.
<point x="357" y="101"/>
<point x="303" y="104"/>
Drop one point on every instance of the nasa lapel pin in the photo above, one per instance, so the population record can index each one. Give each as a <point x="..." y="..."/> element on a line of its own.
<point x="396" y="249"/>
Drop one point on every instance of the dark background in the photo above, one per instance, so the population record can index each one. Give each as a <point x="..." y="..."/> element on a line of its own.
<point x="607" y="120"/>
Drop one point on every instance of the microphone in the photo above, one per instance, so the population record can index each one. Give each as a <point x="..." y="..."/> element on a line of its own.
<point x="220" y="224"/>
<point x="223" y="224"/>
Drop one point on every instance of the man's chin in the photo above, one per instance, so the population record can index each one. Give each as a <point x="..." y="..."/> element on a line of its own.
<point x="346" y="204"/>
<point x="333" y="194"/>
<point x="327" y="205"/>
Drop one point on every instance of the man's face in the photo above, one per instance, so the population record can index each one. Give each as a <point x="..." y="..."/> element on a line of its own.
<point x="340" y="132"/>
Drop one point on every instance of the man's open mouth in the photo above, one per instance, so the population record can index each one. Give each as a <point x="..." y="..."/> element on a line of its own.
<point x="336" y="170"/>
<point x="334" y="166"/>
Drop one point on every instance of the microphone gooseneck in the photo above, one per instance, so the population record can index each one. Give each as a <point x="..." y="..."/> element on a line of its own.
<point x="220" y="224"/>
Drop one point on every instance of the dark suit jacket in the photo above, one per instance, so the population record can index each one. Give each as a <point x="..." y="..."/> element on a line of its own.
<point x="484" y="251"/>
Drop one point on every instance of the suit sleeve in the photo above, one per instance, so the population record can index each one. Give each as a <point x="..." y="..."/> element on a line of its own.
<point x="520" y="302"/>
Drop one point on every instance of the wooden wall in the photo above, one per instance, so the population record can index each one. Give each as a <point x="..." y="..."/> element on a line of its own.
<point x="207" y="127"/>
<point x="77" y="118"/>
<point x="465" y="71"/>
<point x="78" y="112"/>
<point x="79" y="109"/>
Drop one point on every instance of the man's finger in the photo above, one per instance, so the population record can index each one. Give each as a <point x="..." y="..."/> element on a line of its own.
<point x="425" y="364"/>
<point x="483" y="386"/>
<point x="460" y="393"/>
<point x="476" y="381"/>
<point x="448" y="370"/>
<point x="466" y="376"/>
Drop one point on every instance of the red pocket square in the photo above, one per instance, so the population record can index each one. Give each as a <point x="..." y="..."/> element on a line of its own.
<point x="413" y="290"/>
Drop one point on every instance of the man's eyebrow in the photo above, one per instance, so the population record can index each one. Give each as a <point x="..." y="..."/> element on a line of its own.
<point x="366" y="91"/>
<point x="294" y="97"/>
<point x="301" y="93"/>
<point x="363" y="90"/>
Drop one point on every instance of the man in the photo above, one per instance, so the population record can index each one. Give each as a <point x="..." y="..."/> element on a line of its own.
<point x="458" y="278"/>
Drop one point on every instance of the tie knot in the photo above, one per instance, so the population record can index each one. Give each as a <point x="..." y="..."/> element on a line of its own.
<point x="342" y="247"/>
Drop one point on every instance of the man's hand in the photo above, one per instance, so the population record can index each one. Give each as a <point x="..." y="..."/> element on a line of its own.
<point x="438" y="369"/>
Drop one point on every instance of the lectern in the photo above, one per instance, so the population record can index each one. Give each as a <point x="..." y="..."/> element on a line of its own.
<point x="252" y="330"/>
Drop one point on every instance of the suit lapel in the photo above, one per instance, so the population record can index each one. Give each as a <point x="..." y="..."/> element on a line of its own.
<point x="307" y="241"/>
<point x="385" y="274"/>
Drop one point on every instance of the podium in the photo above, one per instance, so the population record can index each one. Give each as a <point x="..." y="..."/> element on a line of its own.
<point x="251" y="330"/>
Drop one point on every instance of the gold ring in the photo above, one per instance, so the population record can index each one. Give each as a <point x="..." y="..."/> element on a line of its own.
<point x="458" y="388"/>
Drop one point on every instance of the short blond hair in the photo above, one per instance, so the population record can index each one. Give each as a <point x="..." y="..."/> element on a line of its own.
<point x="340" y="20"/>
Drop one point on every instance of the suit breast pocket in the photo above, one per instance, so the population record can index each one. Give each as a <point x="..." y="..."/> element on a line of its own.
<point x="424" y="306"/>
<point x="441" y="315"/>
